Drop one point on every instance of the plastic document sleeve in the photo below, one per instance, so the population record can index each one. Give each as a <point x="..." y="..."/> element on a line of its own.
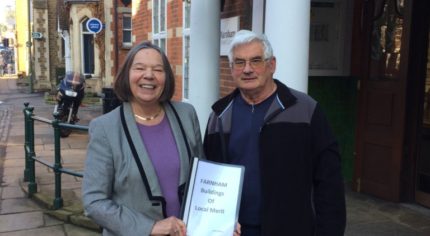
<point x="212" y="199"/>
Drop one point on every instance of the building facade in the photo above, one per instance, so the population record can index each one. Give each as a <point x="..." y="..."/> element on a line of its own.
<point x="366" y="62"/>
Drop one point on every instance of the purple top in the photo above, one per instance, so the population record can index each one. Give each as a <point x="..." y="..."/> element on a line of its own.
<point x="161" y="147"/>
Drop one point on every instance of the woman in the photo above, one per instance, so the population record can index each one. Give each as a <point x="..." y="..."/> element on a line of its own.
<point x="138" y="157"/>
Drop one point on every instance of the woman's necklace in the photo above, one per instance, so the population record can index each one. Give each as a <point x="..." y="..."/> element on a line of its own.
<point x="148" y="118"/>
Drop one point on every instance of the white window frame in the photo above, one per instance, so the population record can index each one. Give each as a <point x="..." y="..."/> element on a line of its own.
<point x="127" y="44"/>
<point x="160" y="35"/>
<point x="185" y="56"/>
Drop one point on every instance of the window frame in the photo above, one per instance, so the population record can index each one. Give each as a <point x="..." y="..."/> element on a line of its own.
<point x="127" y="44"/>
<point x="159" y="24"/>
<point x="186" y="50"/>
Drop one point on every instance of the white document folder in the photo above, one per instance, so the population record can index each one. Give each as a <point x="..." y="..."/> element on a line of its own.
<point x="212" y="199"/>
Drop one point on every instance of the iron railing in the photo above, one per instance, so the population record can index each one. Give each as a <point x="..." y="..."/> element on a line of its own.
<point x="31" y="158"/>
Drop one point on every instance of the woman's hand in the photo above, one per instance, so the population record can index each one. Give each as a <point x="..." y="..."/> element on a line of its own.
<point x="169" y="226"/>
<point x="237" y="231"/>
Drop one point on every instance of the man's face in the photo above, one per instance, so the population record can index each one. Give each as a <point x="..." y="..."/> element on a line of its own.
<point x="251" y="72"/>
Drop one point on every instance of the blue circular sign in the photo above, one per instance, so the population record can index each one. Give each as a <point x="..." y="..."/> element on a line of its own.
<point x="94" y="25"/>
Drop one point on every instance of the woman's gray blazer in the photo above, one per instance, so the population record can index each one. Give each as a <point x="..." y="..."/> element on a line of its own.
<point x="114" y="194"/>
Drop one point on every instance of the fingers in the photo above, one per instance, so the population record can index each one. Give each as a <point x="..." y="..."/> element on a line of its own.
<point x="179" y="227"/>
<point x="169" y="226"/>
<point x="237" y="231"/>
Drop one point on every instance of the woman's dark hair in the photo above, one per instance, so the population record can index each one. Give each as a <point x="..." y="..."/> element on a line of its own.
<point x="121" y="85"/>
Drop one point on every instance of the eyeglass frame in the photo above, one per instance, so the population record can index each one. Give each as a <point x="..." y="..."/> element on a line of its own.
<point x="257" y="60"/>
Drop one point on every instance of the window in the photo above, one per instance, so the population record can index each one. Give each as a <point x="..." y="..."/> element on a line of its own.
<point x="186" y="50"/>
<point x="159" y="23"/>
<point x="63" y="49"/>
<point x="126" y="31"/>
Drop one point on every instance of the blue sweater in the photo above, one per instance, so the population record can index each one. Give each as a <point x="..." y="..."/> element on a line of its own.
<point x="243" y="149"/>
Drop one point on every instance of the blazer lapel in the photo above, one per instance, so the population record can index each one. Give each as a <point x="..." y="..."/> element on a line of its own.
<point x="180" y="144"/>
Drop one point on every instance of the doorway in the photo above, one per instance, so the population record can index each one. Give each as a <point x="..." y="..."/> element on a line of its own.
<point x="87" y="49"/>
<point x="422" y="193"/>
<point x="382" y="96"/>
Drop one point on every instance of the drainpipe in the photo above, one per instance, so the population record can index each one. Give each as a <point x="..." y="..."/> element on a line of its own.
<point x="30" y="65"/>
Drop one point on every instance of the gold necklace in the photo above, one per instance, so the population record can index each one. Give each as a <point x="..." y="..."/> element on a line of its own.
<point x="148" y="118"/>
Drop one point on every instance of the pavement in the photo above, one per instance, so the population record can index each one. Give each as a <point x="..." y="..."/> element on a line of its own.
<point x="21" y="215"/>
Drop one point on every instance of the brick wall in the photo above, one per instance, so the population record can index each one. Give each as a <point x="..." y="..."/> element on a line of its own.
<point x="118" y="44"/>
<point x="142" y="21"/>
<point x="56" y="58"/>
<point x="233" y="8"/>
<point x="142" y="28"/>
<point x="174" y="42"/>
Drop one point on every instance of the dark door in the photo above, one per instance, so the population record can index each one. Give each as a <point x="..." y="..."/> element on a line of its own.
<point x="88" y="44"/>
<point x="87" y="49"/>
<point x="382" y="92"/>
<point x="422" y="193"/>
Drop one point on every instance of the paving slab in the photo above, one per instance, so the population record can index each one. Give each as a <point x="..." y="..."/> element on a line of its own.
<point x="57" y="230"/>
<point x="17" y="205"/>
<point x="21" y="221"/>
<point x="12" y="192"/>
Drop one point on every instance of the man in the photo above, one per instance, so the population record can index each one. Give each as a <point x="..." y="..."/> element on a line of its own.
<point x="293" y="183"/>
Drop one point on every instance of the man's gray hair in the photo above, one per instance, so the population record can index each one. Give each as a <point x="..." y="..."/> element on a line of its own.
<point x="245" y="36"/>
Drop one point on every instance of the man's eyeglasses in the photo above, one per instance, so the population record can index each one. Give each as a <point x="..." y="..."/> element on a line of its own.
<point x="255" y="63"/>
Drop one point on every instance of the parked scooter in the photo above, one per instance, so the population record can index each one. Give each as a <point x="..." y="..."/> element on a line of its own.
<point x="70" y="93"/>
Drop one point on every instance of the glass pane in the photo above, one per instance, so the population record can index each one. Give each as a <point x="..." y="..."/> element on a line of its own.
<point x="163" y="44"/>
<point x="155" y="14"/>
<point x="186" y="66"/>
<point x="162" y="15"/>
<point x="400" y="6"/>
<point x="126" y="36"/>
<point x="386" y="40"/>
<point x="187" y="13"/>
<point x="84" y="26"/>
<point x="126" y="22"/>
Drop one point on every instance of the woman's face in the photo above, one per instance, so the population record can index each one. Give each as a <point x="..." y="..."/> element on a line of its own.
<point x="147" y="76"/>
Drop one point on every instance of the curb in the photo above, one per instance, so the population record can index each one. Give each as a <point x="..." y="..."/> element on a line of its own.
<point x="70" y="213"/>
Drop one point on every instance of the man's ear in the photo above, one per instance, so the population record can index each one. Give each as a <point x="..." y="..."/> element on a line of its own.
<point x="272" y="63"/>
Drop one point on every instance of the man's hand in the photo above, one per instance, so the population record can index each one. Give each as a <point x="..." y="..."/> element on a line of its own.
<point x="237" y="231"/>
